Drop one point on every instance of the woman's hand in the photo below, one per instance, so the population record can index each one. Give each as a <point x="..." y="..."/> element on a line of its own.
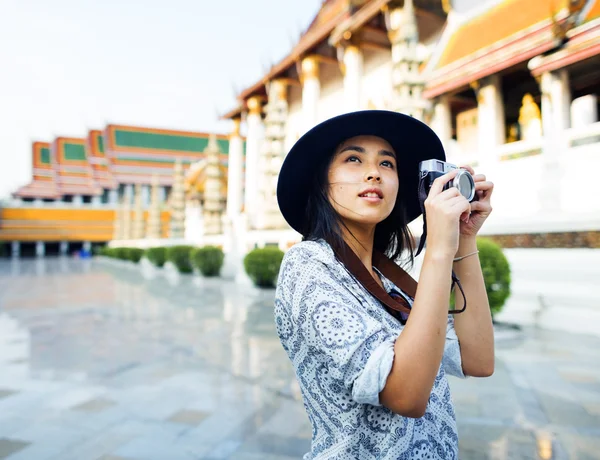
<point x="481" y="209"/>
<point x="443" y="209"/>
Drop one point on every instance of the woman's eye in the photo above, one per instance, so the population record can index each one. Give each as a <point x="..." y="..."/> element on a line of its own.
<point x="389" y="164"/>
<point x="353" y="159"/>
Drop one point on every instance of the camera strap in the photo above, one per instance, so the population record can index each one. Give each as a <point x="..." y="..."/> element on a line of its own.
<point x="422" y="196"/>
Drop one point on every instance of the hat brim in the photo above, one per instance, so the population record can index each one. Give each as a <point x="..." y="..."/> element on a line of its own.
<point x="412" y="140"/>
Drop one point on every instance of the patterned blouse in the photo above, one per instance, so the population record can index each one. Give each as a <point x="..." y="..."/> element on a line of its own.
<point x="340" y="340"/>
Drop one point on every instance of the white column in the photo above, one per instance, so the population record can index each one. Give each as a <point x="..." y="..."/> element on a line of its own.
<point x="163" y="195"/>
<point x="64" y="248"/>
<point x="561" y="100"/>
<point x="441" y="122"/>
<point x="353" y="71"/>
<point x="556" y="101"/>
<point x="128" y="193"/>
<point x="40" y="249"/>
<point x="87" y="246"/>
<point x="546" y="108"/>
<point x="235" y="191"/>
<point x="253" y="146"/>
<point x="311" y="91"/>
<point x="77" y="200"/>
<point x="38" y="202"/>
<point x="16" y="248"/>
<point x="145" y="195"/>
<point x="490" y="124"/>
<point x="96" y="200"/>
<point x="113" y="196"/>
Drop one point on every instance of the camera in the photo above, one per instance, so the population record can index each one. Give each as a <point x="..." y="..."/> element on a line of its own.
<point x="430" y="170"/>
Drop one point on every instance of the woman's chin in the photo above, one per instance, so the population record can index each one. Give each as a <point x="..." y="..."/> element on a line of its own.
<point x="366" y="219"/>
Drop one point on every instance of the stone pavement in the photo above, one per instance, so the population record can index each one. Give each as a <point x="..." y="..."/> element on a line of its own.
<point x="99" y="360"/>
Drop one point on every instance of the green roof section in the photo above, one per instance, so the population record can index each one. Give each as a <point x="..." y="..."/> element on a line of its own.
<point x="159" y="141"/>
<point x="74" y="152"/>
<point x="45" y="155"/>
<point x="101" y="143"/>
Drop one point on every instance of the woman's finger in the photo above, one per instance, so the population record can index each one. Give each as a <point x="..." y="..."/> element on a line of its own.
<point x="451" y="192"/>
<point x="481" y="206"/>
<point x="479" y="177"/>
<point x="484" y="185"/>
<point x="438" y="184"/>
<point x="468" y="168"/>
<point x="459" y="202"/>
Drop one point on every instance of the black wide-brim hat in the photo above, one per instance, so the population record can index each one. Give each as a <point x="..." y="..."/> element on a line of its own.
<point x="412" y="140"/>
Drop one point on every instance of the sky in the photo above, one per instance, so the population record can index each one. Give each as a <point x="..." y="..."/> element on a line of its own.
<point x="68" y="66"/>
<point x="73" y="65"/>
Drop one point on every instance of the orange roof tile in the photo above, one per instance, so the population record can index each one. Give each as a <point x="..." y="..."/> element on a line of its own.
<point x="496" y="24"/>
<point x="594" y="11"/>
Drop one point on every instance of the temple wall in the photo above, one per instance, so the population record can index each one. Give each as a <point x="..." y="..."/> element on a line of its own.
<point x="376" y="84"/>
<point x="520" y="185"/>
<point x="61" y="222"/>
<point x="331" y="102"/>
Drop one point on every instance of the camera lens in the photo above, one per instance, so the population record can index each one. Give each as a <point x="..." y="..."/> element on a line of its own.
<point x="465" y="184"/>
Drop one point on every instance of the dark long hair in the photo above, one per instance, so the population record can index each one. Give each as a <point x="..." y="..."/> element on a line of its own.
<point x="321" y="221"/>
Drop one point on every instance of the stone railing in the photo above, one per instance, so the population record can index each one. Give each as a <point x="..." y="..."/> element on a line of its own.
<point x="519" y="149"/>
<point x="583" y="135"/>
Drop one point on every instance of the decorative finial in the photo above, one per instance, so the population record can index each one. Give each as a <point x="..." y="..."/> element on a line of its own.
<point x="447" y="6"/>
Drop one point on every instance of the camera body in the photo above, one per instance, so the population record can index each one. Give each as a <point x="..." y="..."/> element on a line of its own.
<point x="430" y="170"/>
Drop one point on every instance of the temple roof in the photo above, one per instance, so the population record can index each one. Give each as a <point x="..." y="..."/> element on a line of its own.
<point x="43" y="184"/>
<point x="593" y="12"/>
<point x="509" y="33"/>
<point x="100" y="163"/>
<point x="136" y="154"/>
<point x="118" y="155"/>
<point x="583" y="44"/>
<point x="75" y="176"/>
<point x="151" y="140"/>
<point x="331" y="13"/>
<point x="494" y="26"/>
<point x="41" y="161"/>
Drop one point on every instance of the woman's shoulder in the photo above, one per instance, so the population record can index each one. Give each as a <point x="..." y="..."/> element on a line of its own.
<point x="317" y="251"/>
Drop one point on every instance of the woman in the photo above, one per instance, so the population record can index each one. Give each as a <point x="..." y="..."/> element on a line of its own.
<point x="372" y="356"/>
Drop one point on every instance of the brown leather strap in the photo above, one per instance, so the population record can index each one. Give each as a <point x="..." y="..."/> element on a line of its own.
<point x="387" y="267"/>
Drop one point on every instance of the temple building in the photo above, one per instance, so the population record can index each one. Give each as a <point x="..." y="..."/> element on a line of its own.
<point x="510" y="86"/>
<point x="112" y="184"/>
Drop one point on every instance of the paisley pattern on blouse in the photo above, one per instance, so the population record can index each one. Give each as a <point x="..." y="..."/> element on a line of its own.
<point x="341" y="343"/>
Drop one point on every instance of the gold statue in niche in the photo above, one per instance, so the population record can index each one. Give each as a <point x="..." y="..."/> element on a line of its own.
<point x="530" y="119"/>
<point x="513" y="133"/>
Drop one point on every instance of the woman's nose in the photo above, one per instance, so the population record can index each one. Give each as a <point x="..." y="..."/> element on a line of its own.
<point x="373" y="177"/>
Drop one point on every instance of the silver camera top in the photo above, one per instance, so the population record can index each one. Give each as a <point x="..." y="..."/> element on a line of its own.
<point x="436" y="165"/>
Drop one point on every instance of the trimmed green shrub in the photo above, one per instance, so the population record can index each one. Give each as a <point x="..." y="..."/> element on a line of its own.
<point x="119" y="253"/>
<point x="180" y="256"/>
<point x="134" y="254"/>
<point x="158" y="256"/>
<point x="496" y="273"/>
<point x="3" y="250"/>
<point x="208" y="260"/>
<point x="262" y="266"/>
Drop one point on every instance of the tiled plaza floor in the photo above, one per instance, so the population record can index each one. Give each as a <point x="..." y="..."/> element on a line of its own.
<point x="101" y="361"/>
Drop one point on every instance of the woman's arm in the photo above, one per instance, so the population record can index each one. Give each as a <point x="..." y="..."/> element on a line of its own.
<point x="474" y="326"/>
<point x="419" y="349"/>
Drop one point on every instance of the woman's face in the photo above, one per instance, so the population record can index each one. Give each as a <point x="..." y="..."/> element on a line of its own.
<point x="363" y="180"/>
